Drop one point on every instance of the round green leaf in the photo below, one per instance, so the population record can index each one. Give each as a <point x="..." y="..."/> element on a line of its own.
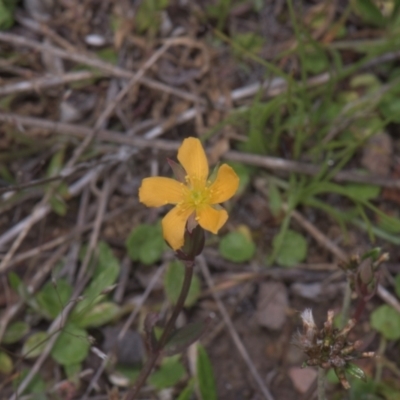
<point x="170" y="373"/>
<point x="145" y="243"/>
<point x="386" y="320"/>
<point x="6" y="364"/>
<point x="34" y="345"/>
<point x="173" y="281"/>
<point x="72" y="346"/>
<point x="237" y="247"/>
<point x="291" y="249"/>
<point x="98" y="315"/>
<point x="52" y="298"/>
<point x="15" y="332"/>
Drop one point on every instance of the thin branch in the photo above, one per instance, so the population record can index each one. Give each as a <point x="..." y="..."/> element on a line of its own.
<point x="272" y="163"/>
<point x="93" y="61"/>
<point x="45" y="82"/>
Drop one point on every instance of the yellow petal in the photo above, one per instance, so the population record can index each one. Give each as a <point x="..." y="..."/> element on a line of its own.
<point x="211" y="219"/>
<point x="158" y="191"/>
<point x="193" y="158"/>
<point x="225" y="185"/>
<point x="173" y="225"/>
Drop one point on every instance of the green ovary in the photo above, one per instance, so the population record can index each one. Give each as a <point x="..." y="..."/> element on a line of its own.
<point x="197" y="198"/>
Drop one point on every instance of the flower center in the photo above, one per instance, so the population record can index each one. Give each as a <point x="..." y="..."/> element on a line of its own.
<point x="198" y="194"/>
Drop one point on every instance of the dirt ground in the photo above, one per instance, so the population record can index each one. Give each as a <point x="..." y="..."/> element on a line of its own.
<point x="300" y="97"/>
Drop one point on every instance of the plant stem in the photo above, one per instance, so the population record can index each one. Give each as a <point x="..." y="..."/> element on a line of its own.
<point x="346" y="306"/>
<point x="321" y="384"/>
<point x="145" y="372"/>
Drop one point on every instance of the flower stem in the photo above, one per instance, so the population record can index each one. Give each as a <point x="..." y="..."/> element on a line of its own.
<point x="153" y="357"/>
<point x="346" y="306"/>
<point x="321" y="384"/>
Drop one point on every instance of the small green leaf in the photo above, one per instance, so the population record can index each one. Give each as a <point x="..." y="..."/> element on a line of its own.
<point x="249" y="41"/>
<point x="275" y="199"/>
<point x="145" y="243"/>
<point x="316" y="61"/>
<point x="237" y="246"/>
<point x="72" y="371"/>
<point x="170" y="373"/>
<point x="362" y="192"/>
<point x="34" y="345"/>
<point x="369" y="12"/>
<point x="291" y="249"/>
<point x="15" y="280"/>
<point x="173" y="281"/>
<point x="15" y="332"/>
<point x="72" y="346"/>
<point x="183" y="337"/>
<point x="58" y="205"/>
<point x="52" y="298"/>
<point x="36" y="386"/>
<point x="56" y="163"/>
<point x="386" y="320"/>
<point x="108" y="54"/>
<point x="205" y="376"/>
<point x="6" y="14"/>
<point x="187" y="393"/>
<point x="356" y="371"/>
<point x="98" y="315"/>
<point x="397" y="285"/>
<point x="6" y="364"/>
<point x="104" y="276"/>
<point x="390" y="108"/>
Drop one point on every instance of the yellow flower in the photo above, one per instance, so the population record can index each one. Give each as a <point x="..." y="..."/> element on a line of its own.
<point x="196" y="197"/>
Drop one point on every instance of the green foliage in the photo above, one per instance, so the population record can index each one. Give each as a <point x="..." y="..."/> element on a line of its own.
<point x="145" y="243"/>
<point x="397" y="285"/>
<point x="274" y="198"/>
<point x="360" y="390"/>
<point x="356" y="371"/>
<point x="53" y="297"/>
<point x="72" y="346"/>
<point x="316" y="60"/>
<point x="290" y="248"/>
<point x="72" y="371"/>
<point x="244" y="174"/>
<point x="98" y="315"/>
<point x="34" y="345"/>
<point x="169" y="374"/>
<point x="148" y="17"/>
<point x="6" y="364"/>
<point x="173" y="281"/>
<point x="237" y="246"/>
<point x="249" y="41"/>
<point x="36" y="386"/>
<point x="205" y="375"/>
<point x="7" y="13"/>
<point x="104" y="276"/>
<point x="108" y="54"/>
<point x="362" y="192"/>
<point x="187" y="393"/>
<point x="386" y="321"/>
<point x="220" y="10"/>
<point x="15" y="332"/>
<point x="369" y="12"/>
<point x="183" y="337"/>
